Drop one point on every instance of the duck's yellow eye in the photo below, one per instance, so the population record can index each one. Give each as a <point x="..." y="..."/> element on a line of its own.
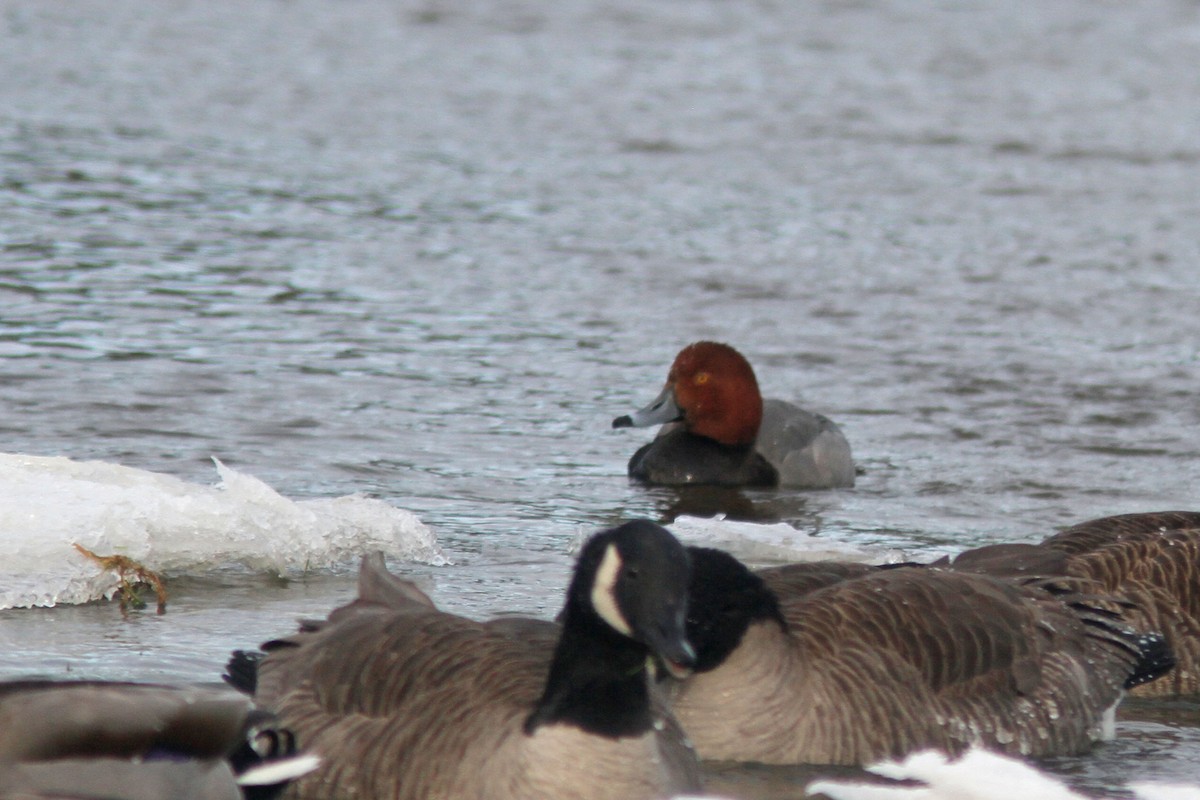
<point x="701" y="378"/>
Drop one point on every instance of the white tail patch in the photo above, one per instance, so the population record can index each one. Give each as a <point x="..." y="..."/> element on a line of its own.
<point x="603" y="585"/>
<point x="274" y="772"/>
<point x="1108" y="723"/>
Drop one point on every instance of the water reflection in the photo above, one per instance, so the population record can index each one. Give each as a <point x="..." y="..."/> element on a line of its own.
<point x="742" y="505"/>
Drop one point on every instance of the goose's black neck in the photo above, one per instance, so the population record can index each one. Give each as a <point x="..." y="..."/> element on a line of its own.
<point x="724" y="598"/>
<point x="597" y="679"/>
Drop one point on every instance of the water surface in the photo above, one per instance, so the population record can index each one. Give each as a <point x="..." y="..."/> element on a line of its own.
<point x="427" y="250"/>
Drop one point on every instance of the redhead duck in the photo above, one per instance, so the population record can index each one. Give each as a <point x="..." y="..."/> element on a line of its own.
<point x="717" y="429"/>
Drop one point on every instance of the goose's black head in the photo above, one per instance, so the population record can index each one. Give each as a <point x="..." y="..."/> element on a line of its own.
<point x="626" y="605"/>
<point x="724" y="598"/>
<point x="635" y="578"/>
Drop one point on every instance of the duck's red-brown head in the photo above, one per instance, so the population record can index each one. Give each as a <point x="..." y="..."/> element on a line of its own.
<point x="716" y="388"/>
<point x="711" y="388"/>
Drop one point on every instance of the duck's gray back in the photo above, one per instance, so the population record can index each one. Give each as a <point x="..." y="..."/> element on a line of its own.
<point x="808" y="450"/>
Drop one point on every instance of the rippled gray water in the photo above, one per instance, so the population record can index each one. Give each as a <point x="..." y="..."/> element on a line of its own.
<point x="427" y="250"/>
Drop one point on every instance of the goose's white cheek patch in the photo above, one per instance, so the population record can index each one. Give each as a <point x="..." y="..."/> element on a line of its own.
<point x="604" y="591"/>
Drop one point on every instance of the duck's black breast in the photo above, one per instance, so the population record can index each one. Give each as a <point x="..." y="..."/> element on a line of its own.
<point x="680" y="458"/>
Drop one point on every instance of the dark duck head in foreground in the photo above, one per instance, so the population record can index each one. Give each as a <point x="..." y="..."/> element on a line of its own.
<point x="122" y="741"/>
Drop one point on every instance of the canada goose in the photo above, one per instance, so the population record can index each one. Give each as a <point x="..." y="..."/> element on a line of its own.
<point x="123" y="741"/>
<point x="848" y="664"/>
<point x="401" y="700"/>
<point x="1153" y="560"/>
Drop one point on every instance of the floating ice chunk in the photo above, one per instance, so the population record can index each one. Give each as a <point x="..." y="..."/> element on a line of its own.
<point x="978" y="775"/>
<point x="759" y="543"/>
<point x="172" y="526"/>
<point x="1164" y="791"/>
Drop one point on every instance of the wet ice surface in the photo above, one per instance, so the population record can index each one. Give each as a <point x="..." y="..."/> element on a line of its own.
<point x="1156" y="741"/>
<point x="427" y="250"/>
<point x="48" y="506"/>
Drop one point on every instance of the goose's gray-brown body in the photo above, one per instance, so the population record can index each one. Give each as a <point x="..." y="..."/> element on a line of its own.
<point x="1153" y="560"/>
<point x="404" y="701"/>
<point x="849" y="664"/>
<point x="123" y="741"/>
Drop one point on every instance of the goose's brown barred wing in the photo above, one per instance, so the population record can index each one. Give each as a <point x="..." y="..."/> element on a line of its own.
<point x="1152" y="560"/>
<point x="417" y="687"/>
<point x="1094" y="535"/>
<point x="1010" y="665"/>
<point x="1009" y="559"/>
<point x="793" y="580"/>
<point x="949" y="628"/>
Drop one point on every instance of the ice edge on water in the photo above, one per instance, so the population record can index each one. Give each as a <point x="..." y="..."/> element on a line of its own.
<point x="976" y="775"/>
<point x="762" y="544"/>
<point x="49" y="503"/>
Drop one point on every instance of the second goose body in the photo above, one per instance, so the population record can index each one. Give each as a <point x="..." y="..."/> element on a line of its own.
<point x="1153" y="560"/>
<point x="847" y="664"/>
